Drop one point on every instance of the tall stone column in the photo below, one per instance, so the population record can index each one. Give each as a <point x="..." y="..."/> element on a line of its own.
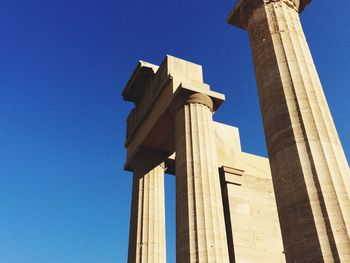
<point x="310" y="172"/>
<point x="147" y="221"/>
<point x="200" y="229"/>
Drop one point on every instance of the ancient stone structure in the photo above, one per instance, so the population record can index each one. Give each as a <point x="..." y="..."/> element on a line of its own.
<point x="227" y="208"/>
<point x="148" y="215"/>
<point x="310" y="173"/>
<point x="225" y="205"/>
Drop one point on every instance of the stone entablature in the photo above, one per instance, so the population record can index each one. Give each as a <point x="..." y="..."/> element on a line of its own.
<point x="231" y="215"/>
<point x="150" y="125"/>
<point x="174" y="114"/>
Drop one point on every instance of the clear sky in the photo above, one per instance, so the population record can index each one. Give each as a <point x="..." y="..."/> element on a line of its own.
<point x="64" y="197"/>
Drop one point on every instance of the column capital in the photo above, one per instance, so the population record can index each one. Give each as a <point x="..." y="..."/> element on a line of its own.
<point x="201" y="99"/>
<point x="243" y="9"/>
<point x="144" y="167"/>
<point x="187" y="98"/>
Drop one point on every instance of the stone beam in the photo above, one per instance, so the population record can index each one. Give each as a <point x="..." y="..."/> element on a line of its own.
<point x="150" y="124"/>
<point x="142" y="75"/>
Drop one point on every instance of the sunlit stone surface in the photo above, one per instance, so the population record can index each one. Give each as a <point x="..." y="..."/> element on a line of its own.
<point x="308" y="165"/>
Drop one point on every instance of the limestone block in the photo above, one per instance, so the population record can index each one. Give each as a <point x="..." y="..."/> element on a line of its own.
<point x="256" y="234"/>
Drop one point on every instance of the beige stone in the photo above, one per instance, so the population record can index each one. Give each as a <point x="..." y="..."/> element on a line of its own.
<point x="310" y="172"/>
<point x="218" y="215"/>
<point x="250" y="211"/>
<point x="157" y="92"/>
<point x="147" y="220"/>
<point x="200" y="226"/>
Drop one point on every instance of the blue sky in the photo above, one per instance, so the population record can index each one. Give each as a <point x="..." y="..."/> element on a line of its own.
<point x="64" y="197"/>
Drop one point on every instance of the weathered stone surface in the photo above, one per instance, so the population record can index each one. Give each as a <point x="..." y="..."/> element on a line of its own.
<point x="200" y="226"/>
<point x="238" y="222"/>
<point x="150" y="124"/>
<point x="310" y="172"/>
<point x="251" y="212"/>
<point x="147" y="220"/>
<point x="244" y="9"/>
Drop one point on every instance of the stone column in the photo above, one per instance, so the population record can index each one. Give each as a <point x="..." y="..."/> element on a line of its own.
<point x="147" y="221"/>
<point x="200" y="227"/>
<point x="310" y="172"/>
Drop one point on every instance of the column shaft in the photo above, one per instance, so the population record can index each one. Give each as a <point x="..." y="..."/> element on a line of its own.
<point x="309" y="168"/>
<point x="200" y="229"/>
<point x="147" y="222"/>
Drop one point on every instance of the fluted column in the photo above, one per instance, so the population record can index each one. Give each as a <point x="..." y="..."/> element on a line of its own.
<point x="200" y="229"/>
<point x="147" y="222"/>
<point x="310" y="172"/>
